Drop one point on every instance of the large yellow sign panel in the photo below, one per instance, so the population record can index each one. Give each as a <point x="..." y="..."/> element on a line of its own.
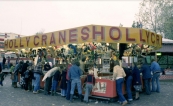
<point x="91" y="33"/>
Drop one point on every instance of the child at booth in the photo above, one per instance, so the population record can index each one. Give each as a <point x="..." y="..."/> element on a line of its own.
<point x="90" y="82"/>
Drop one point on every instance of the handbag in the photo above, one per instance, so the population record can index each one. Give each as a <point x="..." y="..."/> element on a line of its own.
<point x="138" y="88"/>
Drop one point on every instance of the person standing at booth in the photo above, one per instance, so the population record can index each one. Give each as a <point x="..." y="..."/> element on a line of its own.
<point x="90" y="82"/>
<point x="15" y="73"/>
<point x="55" y="80"/>
<point x="146" y="75"/>
<point x="136" y="80"/>
<point x="68" y="82"/>
<point x="128" y="81"/>
<point x="156" y="70"/>
<point x="74" y="75"/>
<point x="48" y="82"/>
<point x="37" y="74"/>
<point x="63" y="85"/>
<point x="118" y="76"/>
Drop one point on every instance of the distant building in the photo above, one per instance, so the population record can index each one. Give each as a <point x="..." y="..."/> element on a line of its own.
<point x="164" y="54"/>
<point x="5" y="36"/>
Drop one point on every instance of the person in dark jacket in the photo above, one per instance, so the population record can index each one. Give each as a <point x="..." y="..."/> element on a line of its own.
<point x="63" y="85"/>
<point x="22" y="71"/>
<point x="128" y="80"/>
<point x="48" y="82"/>
<point x="146" y="75"/>
<point x="27" y="76"/>
<point x="136" y="79"/>
<point x="24" y="68"/>
<point x="56" y="79"/>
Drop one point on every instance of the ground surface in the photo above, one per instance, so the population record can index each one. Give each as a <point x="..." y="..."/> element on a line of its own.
<point x="10" y="96"/>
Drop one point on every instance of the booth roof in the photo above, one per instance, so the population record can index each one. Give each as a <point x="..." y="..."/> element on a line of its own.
<point x="166" y="48"/>
<point x="164" y="40"/>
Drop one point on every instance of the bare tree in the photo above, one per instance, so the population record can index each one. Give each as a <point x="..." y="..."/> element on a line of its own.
<point x="40" y="32"/>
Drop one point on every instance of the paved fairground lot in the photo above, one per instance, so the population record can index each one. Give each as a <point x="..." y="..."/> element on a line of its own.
<point x="10" y="96"/>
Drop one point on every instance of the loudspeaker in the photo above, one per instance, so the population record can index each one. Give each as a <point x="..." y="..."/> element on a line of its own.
<point x="122" y="47"/>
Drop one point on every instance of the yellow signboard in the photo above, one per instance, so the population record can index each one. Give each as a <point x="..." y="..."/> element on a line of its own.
<point x="90" y="33"/>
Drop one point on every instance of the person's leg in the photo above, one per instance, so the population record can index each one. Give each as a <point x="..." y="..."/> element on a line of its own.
<point x="158" y="83"/>
<point x="68" y="90"/>
<point x="128" y="88"/>
<point x="56" y="85"/>
<point x="137" y="95"/>
<point x="153" y="83"/>
<point x="49" y="84"/>
<point x="120" y="85"/>
<point x="73" y="85"/>
<point x="37" y="82"/>
<point x="79" y="87"/>
<point x="86" y="93"/>
<point x="26" y="84"/>
<point x="119" y="89"/>
<point x="146" y="86"/>
<point x="46" y="87"/>
<point x="149" y="85"/>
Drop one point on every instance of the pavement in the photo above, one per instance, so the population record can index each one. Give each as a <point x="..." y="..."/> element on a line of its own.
<point x="10" y="96"/>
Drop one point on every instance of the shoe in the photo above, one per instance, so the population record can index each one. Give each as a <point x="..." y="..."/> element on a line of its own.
<point x="130" y="101"/>
<point x="35" y="92"/>
<point x="158" y="91"/>
<point x="71" y="98"/>
<point x="119" y="102"/>
<point x="137" y="98"/>
<point x="124" y="103"/>
<point x="52" y="93"/>
<point x="86" y="102"/>
<point x="81" y="98"/>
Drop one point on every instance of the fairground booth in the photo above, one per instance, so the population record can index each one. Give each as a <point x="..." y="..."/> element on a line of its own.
<point x="98" y="44"/>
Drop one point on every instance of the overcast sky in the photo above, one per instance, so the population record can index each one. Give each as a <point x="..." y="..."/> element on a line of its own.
<point x="29" y="17"/>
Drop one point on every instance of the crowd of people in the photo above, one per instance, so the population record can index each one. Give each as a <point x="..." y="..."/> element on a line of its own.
<point x="132" y="79"/>
<point x="68" y="79"/>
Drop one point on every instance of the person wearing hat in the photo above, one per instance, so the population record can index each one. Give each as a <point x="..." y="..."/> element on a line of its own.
<point x="118" y="76"/>
<point x="90" y="82"/>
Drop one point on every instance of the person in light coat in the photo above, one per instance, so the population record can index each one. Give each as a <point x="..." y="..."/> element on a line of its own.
<point x="118" y="76"/>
